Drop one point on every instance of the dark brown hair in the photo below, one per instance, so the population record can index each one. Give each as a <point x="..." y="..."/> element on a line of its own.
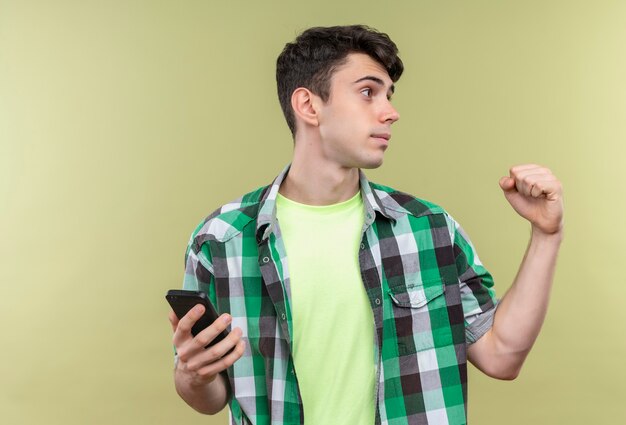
<point x="316" y="53"/>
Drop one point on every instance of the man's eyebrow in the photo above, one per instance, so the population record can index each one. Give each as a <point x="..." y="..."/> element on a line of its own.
<point x="376" y="80"/>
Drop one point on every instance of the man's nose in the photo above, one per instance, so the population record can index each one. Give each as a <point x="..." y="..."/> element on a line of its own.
<point x="390" y="115"/>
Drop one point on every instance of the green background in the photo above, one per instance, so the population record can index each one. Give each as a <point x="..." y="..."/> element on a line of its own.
<point x="124" y="123"/>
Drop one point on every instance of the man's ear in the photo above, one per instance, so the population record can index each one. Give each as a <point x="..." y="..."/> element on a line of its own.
<point x="304" y="104"/>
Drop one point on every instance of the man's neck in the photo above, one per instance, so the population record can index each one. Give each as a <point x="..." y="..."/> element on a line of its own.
<point x="311" y="183"/>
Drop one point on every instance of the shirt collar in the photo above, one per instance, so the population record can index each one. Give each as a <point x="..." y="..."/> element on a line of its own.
<point x="266" y="219"/>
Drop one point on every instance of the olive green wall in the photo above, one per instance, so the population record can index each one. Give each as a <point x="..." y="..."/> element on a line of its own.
<point x="123" y="123"/>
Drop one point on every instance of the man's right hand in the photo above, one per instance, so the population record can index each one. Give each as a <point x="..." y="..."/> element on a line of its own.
<point x="198" y="365"/>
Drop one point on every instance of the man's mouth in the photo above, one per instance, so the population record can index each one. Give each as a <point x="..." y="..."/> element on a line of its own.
<point x="384" y="136"/>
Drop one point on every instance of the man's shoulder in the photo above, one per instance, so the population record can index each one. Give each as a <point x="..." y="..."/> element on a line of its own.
<point x="402" y="202"/>
<point x="230" y="218"/>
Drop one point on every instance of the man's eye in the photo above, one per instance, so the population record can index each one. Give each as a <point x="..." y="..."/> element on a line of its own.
<point x="367" y="92"/>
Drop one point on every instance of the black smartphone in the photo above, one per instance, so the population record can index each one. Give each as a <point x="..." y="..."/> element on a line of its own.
<point x="182" y="301"/>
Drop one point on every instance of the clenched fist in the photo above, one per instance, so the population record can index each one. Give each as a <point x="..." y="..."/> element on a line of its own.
<point x="537" y="195"/>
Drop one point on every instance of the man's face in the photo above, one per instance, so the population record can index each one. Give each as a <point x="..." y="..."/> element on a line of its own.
<point x="355" y="123"/>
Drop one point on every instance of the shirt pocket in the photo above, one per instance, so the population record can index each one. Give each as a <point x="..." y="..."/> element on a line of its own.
<point x="419" y="315"/>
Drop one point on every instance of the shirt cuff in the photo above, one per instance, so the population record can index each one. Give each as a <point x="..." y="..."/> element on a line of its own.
<point x="480" y="325"/>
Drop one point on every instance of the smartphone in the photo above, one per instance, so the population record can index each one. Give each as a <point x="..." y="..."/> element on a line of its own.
<point x="182" y="301"/>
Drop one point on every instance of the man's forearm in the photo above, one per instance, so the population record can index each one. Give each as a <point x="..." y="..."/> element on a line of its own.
<point x="521" y="312"/>
<point x="208" y="399"/>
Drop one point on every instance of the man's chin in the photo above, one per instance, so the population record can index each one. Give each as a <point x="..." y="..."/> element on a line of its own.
<point x="370" y="165"/>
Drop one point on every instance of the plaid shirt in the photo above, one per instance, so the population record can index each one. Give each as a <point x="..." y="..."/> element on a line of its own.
<point x="430" y="297"/>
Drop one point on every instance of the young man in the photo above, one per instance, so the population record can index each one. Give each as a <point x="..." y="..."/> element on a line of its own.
<point x="349" y="302"/>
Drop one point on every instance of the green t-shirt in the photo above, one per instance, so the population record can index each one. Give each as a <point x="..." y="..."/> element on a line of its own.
<point x="333" y="324"/>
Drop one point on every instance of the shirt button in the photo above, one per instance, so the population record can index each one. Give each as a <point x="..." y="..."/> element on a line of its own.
<point x="266" y="259"/>
<point x="362" y="246"/>
<point x="282" y="316"/>
<point x="377" y="301"/>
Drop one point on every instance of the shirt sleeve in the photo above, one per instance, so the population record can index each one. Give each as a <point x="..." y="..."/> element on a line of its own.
<point x="476" y="284"/>
<point x="198" y="274"/>
<point x="199" y="270"/>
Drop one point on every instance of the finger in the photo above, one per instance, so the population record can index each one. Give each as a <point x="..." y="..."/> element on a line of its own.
<point x="215" y="352"/>
<point x="522" y="167"/>
<point x="225" y="362"/>
<point x="535" y="190"/>
<point x="517" y="174"/>
<point x="548" y="187"/>
<point x="527" y="179"/>
<point x="183" y="330"/>
<point x="207" y="335"/>
<point x="507" y="183"/>
<point x="191" y="346"/>
<point x="526" y="183"/>
<point x="522" y="173"/>
<point x="539" y="185"/>
<point x="173" y="320"/>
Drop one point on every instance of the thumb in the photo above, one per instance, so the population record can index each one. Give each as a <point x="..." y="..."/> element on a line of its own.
<point x="173" y="320"/>
<point x="507" y="184"/>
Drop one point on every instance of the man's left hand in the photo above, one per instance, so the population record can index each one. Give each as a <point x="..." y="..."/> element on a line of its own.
<point x="537" y="195"/>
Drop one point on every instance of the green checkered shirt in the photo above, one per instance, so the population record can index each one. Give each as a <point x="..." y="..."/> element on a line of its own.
<point x="429" y="293"/>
